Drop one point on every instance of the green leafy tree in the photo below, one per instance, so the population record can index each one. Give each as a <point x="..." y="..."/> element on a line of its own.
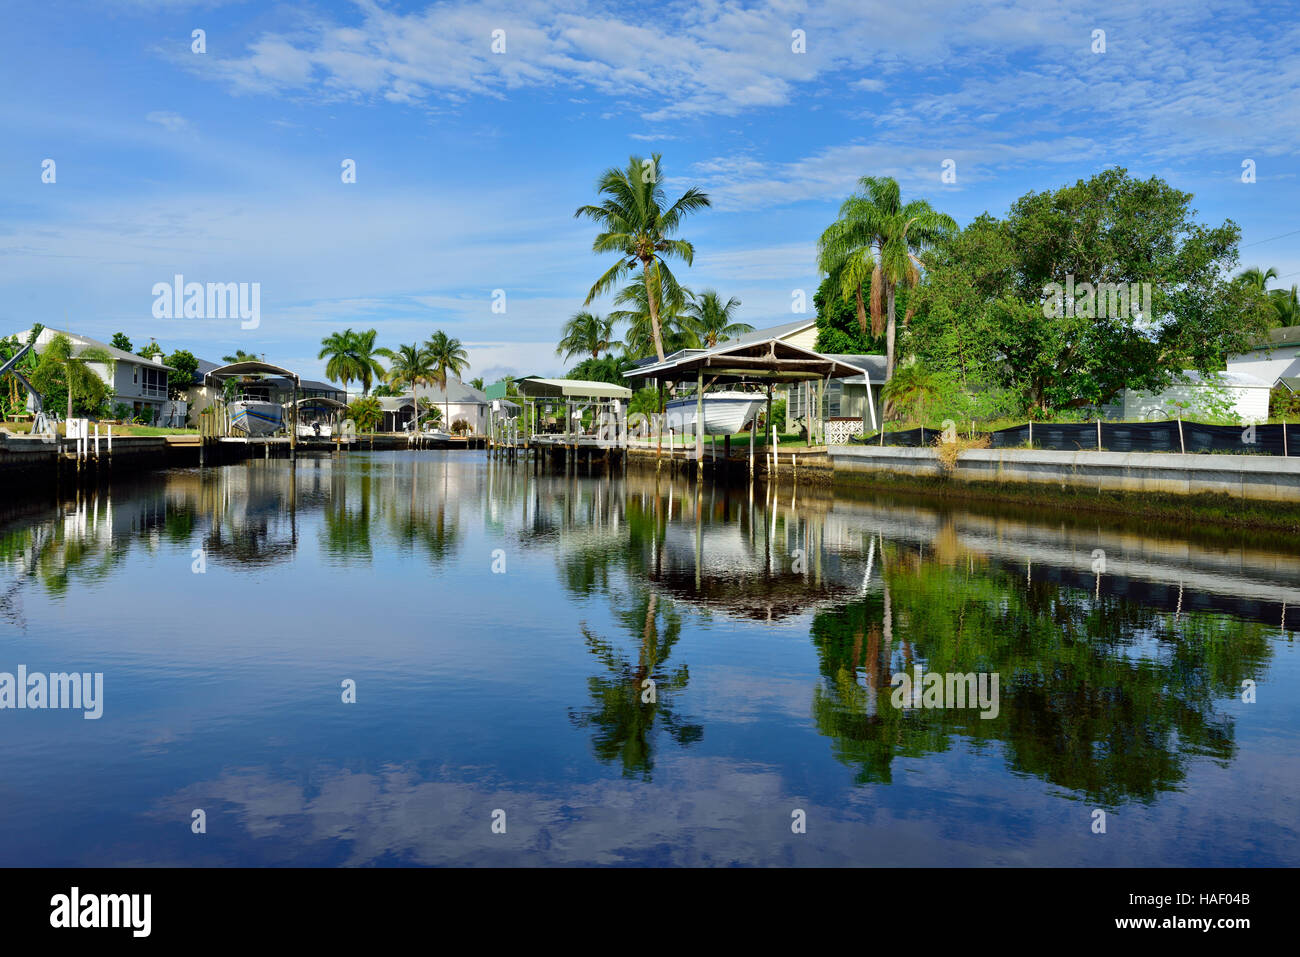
<point x="367" y="413"/>
<point x="838" y="330"/>
<point x="637" y="227"/>
<point x="241" y="356"/>
<point x="985" y="304"/>
<point x="151" y="350"/>
<point x="185" y="367"/>
<point x="121" y="341"/>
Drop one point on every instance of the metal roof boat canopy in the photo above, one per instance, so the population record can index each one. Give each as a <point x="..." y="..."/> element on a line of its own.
<point x="571" y="389"/>
<point x="768" y="360"/>
<point x="759" y="361"/>
<point x="250" y="367"/>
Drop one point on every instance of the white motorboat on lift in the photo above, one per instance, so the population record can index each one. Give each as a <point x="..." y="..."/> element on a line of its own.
<point x="725" y="413"/>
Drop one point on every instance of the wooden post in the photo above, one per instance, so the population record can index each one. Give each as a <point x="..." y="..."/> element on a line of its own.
<point x="1284" y="450"/>
<point x="1098" y="434"/>
<point x="699" y="423"/>
<point x="753" y="427"/>
<point x="768" y="419"/>
<point x="1181" y="445"/>
<point x="659" y="431"/>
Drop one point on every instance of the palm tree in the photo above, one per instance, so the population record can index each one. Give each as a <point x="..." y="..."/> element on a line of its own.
<point x="447" y="355"/>
<point x="674" y="332"/>
<point x="1257" y="278"/>
<point x="477" y="382"/>
<point x="364" y="353"/>
<point x="352" y="358"/>
<point x="408" y="367"/>
<point x="587" y="334"/>
<point x="876" y="228"/>
<point x="635" y="225"/>
<point x="1286" y="305"/>
<point x="77" y="375"/>
<point x="241" y="356"/>
<point x="710" y="319"/>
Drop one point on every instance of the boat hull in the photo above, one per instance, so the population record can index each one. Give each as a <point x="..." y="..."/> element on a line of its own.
<point x="255" y="418"/>
<point x="724" y="412"/>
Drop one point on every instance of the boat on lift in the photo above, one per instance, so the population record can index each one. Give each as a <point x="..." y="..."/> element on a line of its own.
<point x="725" y="413"/>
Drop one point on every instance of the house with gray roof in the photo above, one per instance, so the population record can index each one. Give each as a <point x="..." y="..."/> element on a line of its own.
<point x="132" y="380"/>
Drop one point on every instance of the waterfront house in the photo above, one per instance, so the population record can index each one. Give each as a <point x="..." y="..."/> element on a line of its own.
<point x="133" y="381"/>
<point x="458" y="402"/>
<point x="850" y="404"/>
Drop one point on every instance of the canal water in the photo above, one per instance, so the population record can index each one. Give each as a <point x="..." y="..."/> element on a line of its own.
<point x="433" y="658"/>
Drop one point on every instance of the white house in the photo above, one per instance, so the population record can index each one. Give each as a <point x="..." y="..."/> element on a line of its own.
<point x="132" y="380"/>
<point x="460" y="402"/>
<point x="1244" y="394"/>
<point x="1275" y="358"/>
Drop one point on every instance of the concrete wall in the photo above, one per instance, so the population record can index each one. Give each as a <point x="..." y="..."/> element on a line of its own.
<point x="1270" y="478"/>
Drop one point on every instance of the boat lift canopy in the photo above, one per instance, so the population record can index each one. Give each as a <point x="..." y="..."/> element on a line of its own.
<point x="250" y="367"/>
<point x="767" y="361"/>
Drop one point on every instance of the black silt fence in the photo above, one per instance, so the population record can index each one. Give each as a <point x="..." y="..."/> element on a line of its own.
<point x="1121" y="437"/>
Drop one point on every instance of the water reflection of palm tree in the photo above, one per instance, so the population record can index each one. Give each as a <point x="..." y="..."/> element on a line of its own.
<point x="1108" y="698"/>
<point x="627" y="702"/>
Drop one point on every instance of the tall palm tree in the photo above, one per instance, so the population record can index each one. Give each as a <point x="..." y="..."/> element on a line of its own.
<point x="587" y="334"/>
<point x="241" y="356"/>
<point x="409" y="367"/>
<point x="674" y="332"/>
<point x="477" y="382"/>
<point x="635" y="225"/>
<point x="447" y="356"/>
<point x="710" y="318"/>
<point x="342" y="365"/>
<point x="363" y="348"/>
<point x="876" y="227"/>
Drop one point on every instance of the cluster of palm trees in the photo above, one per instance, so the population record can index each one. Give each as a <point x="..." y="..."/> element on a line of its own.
<point x="1285" y="302"/>
<point x="686" y="320"/>
<point x="353" y="357"/>
<point x="661" y="315"/>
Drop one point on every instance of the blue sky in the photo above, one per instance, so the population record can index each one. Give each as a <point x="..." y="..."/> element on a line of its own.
<point x="225" y="166"/>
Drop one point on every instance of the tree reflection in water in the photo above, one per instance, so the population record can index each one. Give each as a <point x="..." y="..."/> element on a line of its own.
<point x="1100" y="695"/>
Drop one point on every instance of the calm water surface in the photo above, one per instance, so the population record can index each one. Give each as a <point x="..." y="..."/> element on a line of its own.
<point x="770" y="627"/>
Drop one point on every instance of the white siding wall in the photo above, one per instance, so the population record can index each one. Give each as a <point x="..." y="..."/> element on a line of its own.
<point x="1250" y="403"/>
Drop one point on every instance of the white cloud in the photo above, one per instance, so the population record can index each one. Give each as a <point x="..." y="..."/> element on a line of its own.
<point x="172" y="122"/>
